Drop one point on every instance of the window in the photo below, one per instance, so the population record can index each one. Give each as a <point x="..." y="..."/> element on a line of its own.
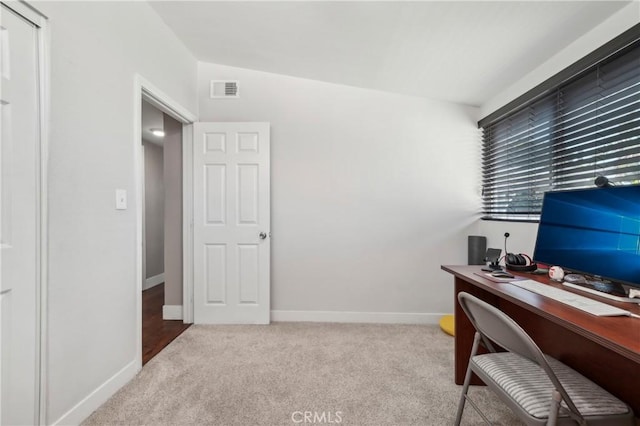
<point x="564" y="137"/>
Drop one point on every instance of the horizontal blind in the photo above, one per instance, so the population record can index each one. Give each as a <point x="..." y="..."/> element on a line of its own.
<point x="586" y="127"/>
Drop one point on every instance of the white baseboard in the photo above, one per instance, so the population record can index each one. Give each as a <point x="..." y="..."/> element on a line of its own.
<point x="172" y="312"/>
<point x="356" y="317"/>
<point x="99" y="396"/>
<point x="153" y="281"/>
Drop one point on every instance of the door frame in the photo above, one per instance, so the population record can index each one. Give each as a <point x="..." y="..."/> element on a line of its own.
<point x="145" y="90"/>
<point x="41" y="23"/>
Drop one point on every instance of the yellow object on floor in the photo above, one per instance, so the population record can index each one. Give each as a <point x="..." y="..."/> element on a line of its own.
<point x="447" y="324"/>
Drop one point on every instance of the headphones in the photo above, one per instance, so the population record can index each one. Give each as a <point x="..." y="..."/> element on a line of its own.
<point x="519" y="263"/>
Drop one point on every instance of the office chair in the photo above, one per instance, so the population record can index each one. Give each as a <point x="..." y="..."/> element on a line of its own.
<point x="540" y="390"/>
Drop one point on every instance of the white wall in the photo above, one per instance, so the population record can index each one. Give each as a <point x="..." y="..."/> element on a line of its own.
<point x="610" y="28"/>
<point x="154" y="201"/>
<point x="371" y="193"/>
<point x="523" y="235"/>
<point x="96" y="48"/>
<point x="173" y="212"/>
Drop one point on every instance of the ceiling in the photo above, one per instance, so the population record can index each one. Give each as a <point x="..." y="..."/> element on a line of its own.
<point x="152" y="118"/>
<point x="459" y="51"/>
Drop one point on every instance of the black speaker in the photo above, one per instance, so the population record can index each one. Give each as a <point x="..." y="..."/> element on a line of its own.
<point x="477" y="248"/>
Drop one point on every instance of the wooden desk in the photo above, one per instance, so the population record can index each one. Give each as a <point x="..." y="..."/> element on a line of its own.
<point x="604" y="349"/>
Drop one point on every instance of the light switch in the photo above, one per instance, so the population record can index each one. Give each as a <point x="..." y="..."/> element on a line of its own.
<point x="121" y="199"/>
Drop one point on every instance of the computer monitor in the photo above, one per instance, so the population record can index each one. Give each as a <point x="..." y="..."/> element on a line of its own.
<point x="592" y="231"/>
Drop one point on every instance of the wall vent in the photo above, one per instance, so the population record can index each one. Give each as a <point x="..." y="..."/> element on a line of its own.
<point x="224" y="89"/>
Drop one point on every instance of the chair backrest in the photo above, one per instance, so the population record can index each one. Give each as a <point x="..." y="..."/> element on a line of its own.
<point x="498" y="327"/>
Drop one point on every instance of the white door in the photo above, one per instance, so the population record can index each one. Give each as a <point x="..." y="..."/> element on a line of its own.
<point x="231" y="212"/>
<point x="19" y="217"/>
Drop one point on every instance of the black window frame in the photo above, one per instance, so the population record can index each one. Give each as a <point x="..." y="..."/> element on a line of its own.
<point x="519" y="126"/>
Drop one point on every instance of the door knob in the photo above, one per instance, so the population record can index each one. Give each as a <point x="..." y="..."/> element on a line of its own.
<point x="263" y="235"/>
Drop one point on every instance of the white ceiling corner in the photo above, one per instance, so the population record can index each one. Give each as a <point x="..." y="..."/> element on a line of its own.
<point x="459" y="51"/>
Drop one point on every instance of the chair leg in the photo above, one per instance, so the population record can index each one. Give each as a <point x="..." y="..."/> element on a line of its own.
<point x="463" y="397"/>
<point x="555" y="407"/>
<point x="467" y="380"/>
<point x="554" y="411"/>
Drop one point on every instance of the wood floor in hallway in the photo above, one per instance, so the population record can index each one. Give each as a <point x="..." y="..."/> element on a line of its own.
<point x="156" y="332"/>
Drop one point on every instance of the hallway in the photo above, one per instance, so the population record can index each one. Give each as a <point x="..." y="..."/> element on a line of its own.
<point x="156" y="332"/>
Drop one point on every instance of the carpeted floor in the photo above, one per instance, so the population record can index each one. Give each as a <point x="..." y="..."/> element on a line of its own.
<point x="300" y="373"/>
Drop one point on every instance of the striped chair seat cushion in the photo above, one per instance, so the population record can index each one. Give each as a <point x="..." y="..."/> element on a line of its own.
<point x="531" y="388"/>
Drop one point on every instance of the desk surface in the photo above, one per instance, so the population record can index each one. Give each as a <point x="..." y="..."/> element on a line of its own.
<point x="618" y="334"/>
<point x="604" y="349"/>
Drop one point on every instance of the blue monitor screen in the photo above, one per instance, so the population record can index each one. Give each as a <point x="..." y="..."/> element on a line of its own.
<point x="593" y="231"/>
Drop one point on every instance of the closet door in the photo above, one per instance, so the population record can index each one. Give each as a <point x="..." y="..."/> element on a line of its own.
<point x="20" y="219"/>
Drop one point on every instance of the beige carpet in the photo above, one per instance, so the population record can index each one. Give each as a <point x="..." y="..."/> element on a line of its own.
<point x="300" y="373"/>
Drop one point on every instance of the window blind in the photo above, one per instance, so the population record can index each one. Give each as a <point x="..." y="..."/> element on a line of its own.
<point x="582" y="128"/>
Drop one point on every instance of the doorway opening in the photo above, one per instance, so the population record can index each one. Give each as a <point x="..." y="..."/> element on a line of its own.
<point x="162" y="147"/>
<point x="162" y="289"/>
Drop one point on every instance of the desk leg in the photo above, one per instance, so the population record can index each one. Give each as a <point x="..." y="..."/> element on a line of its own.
<point x="464" y="331"/>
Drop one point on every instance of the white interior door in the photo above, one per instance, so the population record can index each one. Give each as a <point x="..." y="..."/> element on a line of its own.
<point x="231" y="211"/>
<point x="19" y="214"/>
